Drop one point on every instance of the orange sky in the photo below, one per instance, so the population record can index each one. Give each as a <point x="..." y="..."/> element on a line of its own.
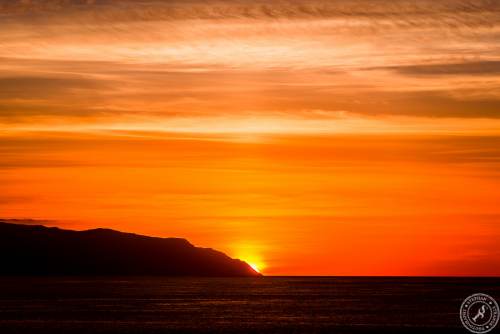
<point x="306" y="137"/>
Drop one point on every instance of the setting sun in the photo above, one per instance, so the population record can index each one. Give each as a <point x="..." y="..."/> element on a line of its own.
<point x="253" y="262"/>
<point x="254" y="267"/>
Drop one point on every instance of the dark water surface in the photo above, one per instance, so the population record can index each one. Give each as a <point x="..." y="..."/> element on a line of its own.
<point x="237" y="305"/>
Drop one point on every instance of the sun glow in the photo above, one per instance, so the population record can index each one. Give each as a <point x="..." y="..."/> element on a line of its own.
<point x="251" y="258"/>
<point x="254" y="267"/>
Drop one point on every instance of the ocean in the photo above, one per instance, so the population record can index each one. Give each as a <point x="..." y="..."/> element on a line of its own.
<point x="237" y="305"/>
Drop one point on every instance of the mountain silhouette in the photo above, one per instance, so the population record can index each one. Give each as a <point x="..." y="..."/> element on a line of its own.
<point x="40" y="250"/>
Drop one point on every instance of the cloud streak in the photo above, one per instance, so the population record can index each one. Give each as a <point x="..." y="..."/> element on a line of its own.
<point x="285" y="59"/>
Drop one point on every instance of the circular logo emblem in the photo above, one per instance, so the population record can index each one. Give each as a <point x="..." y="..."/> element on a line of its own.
<point x="479" y="313"/>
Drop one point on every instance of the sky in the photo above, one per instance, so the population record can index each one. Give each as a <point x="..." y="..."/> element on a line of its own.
<point x="356" y="137"/>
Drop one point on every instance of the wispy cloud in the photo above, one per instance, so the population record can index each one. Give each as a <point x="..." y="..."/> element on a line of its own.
<point x="276" y="60"/>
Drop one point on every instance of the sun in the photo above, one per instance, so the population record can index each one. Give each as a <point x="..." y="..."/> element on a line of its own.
<point x="254" y="267"/>
<point x="251" y="253"/>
